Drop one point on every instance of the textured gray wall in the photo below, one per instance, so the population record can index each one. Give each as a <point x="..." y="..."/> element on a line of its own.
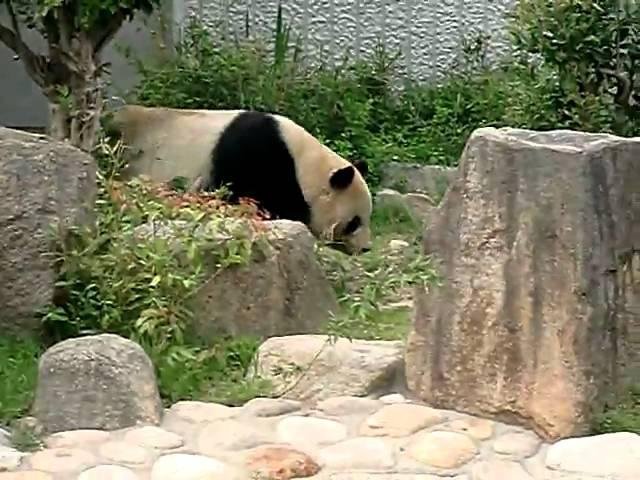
<point x="426" y="32"/>
<point x="21" y="102"/>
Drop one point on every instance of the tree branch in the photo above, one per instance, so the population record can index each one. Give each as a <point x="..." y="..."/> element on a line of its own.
<point x="65" y="26"/>
<point x="106" y="34"/>
<point x="50" y="27"/>
<point x="21" y="46"/>
<point x="624" y="90"/>
<point x="9" y="38"/>
<point x="13" y="40"/>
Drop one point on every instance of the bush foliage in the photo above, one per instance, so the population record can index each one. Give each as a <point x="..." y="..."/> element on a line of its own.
<point x="115" y="279"/>
<point x="624" y="417"/>
<point x="593" y="48"/>
<point x="365" y="108"/>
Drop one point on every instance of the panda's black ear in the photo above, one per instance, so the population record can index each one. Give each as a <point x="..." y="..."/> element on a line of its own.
<point x="342" y="178"/>
<point x="362" y="166"/>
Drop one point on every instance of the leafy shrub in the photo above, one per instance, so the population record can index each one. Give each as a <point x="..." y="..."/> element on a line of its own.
<point x="624" y="417"/>
<point x="370" y="284"/>
<point x="592" y="46"/>
<point x="330" y="103"/>
<point x="361" y="110"/>
<point x="116" y="280"/>
<point x="356" y="107"/>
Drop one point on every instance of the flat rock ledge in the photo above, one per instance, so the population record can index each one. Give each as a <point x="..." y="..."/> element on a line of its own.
<point x="338" y="438"/>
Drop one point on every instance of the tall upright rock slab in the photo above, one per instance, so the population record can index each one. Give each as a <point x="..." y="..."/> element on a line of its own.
<point x="537" y="317"/>
<point x="42" y="182"/>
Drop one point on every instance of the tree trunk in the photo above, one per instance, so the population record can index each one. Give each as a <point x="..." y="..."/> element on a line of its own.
<point x="78" y="119"/>
<point x="58" y="121"/>
<point x="85" y="119"/>
<point x="75" y="114"/>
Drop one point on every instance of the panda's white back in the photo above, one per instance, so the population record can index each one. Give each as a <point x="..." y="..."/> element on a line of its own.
<point x="167" y="143"/>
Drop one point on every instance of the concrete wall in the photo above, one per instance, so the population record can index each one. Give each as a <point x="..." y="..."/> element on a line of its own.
<point x="22" y="105"/>
<point x="426" y="32"/>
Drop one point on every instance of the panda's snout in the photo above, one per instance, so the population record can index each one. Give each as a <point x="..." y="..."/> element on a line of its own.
<point x="348" y="248"/>
<point x="359" y="249"/>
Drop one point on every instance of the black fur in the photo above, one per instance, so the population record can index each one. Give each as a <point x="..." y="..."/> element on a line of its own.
<point x="342" y="178"/>
<point x="362" y="166"/>
<point x="252" y="159"/>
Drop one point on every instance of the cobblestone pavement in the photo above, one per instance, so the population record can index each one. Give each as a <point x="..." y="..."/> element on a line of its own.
<point x="341" y="438"/>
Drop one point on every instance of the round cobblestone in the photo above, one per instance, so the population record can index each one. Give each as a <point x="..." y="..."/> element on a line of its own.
<point x="517" y="444"/>
<point x="108" y="472"/>
<point x="202" y="411"/>
<point x="124" y="452"/>
<point x="61" y="460"/>
<point x="154" y="437"/>
<point x="442" y="449"/>
<point x="400" y="420"/>
<point x="301" y="430"/>
<point x="363" y="453"/>
<point x="284" y="440"/>
<point x="76" y="438"/>
<point x="184" y="466"/>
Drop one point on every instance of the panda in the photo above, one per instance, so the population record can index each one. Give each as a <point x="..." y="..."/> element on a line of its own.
<point x="263" y="156"/>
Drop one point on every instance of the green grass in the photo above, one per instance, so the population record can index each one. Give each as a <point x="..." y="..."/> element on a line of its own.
<point x="18" y="375"/>
<point x="388" y="324"/>
<point x="218" y="375"/>
<point x="372" y="288"/>
<point x="26" y="437"/>
<point x="623" y="417"/>
<point x="394" y="221"/>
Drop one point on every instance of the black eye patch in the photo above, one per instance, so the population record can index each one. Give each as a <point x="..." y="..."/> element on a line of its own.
<point x="353" y="225"/>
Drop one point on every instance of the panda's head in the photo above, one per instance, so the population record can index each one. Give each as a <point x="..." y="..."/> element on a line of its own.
<point x="341" y="214"/>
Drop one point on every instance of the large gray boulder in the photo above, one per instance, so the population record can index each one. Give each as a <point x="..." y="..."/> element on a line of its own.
<point x="610" y="455"/>
<point x="103" y="382"/>
<point x="314" y="368"/>
<point x="432" y="180"/>
<point x="282" y="291"/>
<point x="538" y="246"/>
<point x="42" y="182"/>
<point x="418" y="205"/>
